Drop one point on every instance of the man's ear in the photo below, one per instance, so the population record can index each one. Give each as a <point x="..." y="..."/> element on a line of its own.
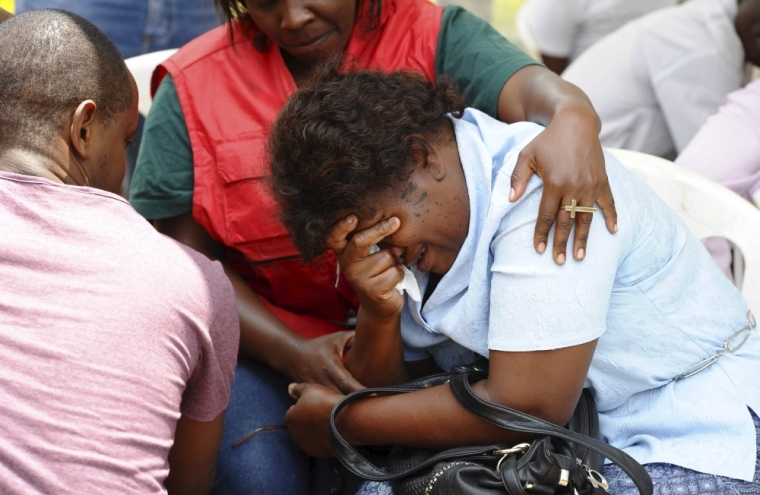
<point x="425" y="155"/>
<point x="82" y="128"/>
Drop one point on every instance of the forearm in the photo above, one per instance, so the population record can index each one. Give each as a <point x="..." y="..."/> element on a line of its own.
<point x="430" y="418"/>
<point x="530" y="382"/>
<point x="536" y="94"/>
<point x="377" y="356"/>
<point x="262" y="334"/>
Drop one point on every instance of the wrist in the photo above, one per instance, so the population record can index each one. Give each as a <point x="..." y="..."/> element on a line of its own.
<point x="287" y="356"/>
<point x="578" y="114"/>
<point x="366" y="317"/>
<point x="344" y="424"/>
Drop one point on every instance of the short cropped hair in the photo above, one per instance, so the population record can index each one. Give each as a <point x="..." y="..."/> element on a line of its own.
<point x="348" y="136"/>
<point x="50" y="62"/>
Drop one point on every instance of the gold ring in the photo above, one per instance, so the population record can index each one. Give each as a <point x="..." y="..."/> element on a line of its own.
<point x="584" y="209"/>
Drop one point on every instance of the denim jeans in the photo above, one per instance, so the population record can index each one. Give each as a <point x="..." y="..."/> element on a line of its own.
<point x="139" y="26"/>
<point x="269" y="462"/>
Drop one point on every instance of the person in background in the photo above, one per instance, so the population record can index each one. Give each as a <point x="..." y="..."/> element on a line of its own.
<point x="655" y="81"/>
<point x="5" y="15"/>
<point x="118" y="344"/>
<point x="138" y="27"/>
<point x="727" y="150"/>
<point x="563" y="29"/>
<point x="202" y="179"/>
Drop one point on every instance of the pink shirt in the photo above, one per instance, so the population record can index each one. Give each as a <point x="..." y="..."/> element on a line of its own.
<point x="108" y="331"/>
<point x="727" y="150"/>
<point x="727" y="147"/>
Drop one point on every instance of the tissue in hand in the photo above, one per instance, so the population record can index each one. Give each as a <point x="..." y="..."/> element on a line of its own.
<point x="408" y="283"/>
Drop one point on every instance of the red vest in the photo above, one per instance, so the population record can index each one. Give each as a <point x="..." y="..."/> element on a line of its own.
<point x="230" y="94"/>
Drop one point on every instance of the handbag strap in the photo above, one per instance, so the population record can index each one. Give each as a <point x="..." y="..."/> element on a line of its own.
<point x="498" y="415"/>
<point x="514" y="420"/>
<point x="355" y="462"/>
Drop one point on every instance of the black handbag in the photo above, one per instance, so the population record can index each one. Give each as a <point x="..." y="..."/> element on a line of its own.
<point x="561" y="461"/>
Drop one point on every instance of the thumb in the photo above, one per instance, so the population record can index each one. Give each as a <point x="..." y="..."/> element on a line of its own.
<point x="521" y="174"/>
<point x="348" y="340"/>
<point x="296" y="390"/>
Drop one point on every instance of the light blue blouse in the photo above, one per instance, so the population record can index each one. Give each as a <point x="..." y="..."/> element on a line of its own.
<point x="651" y="294"/>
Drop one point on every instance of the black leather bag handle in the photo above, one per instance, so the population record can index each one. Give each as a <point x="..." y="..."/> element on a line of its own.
<point x="493" y="413"/>
<point x="512" y="419"/>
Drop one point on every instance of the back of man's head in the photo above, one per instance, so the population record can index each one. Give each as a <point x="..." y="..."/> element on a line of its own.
<point x="50" y="62"/>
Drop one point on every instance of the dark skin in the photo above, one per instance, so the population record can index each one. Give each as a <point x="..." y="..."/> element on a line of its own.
<point x="409" y="228"/>
<point x="568" y="157"/>
<point x="747" y="24"/>
<point x="87" y="153"/>
<point x="5" y="15"/>
<point x="555" y="64"/>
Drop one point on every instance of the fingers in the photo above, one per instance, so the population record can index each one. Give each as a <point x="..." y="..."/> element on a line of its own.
<point x="547" y="213"/>
<point x="344" y="380"/>
<point x="338" y="238"/>
<point x="362" y="241"/>
<point x="348" y="341"/>
<point x="582" y="228"/>
<point x="607" y="204"/>
<point x="523" y="171"/>
<point x="296" y="390"/>
<point x="340" y="378"/>
<point x="562" y="233"/>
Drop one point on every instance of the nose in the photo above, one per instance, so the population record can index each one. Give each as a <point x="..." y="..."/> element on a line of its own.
<point x="396" y="251"/>
<point x="295" y="16"/>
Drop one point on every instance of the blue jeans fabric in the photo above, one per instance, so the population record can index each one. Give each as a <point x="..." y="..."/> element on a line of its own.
<point x="270" y="462"/>
<point x="139" y="26"/>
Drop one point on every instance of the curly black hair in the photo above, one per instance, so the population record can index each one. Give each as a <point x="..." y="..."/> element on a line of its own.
<point x="230" y="10"/>
<point x="348" y="136"/>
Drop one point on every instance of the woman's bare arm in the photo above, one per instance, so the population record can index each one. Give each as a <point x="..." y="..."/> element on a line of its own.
<point x="546" y="384"/>
<point x="262" y="334"/>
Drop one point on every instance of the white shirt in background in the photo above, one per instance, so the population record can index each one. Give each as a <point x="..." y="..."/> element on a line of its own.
<point x="566" y="28"/>
<point x="655" y="81"/>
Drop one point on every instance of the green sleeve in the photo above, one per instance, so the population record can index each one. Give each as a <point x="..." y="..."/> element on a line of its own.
<point x="477" y="57"/>
<point x="162" y="184"/>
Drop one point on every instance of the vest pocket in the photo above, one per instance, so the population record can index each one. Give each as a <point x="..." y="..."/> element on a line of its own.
<point x="243" y="158"/>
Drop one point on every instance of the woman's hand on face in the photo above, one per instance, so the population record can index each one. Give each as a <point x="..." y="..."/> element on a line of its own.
<point x="568" y="157"/>
<point x="308" y="420"/>
<point x="320" y="360"/>
<point x="373" y="276"/>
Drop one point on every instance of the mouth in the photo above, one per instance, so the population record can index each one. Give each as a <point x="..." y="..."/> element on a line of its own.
<point x="415" y="259"/>
<point x="308" y="43"/>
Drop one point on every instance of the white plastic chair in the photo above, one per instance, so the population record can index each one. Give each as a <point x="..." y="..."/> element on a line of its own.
<point x="142" y="68"/>
<point x="709" y="210"/>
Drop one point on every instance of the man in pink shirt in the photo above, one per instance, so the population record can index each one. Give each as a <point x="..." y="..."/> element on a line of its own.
<point x="727" y="150"/>
<point x="118" y="344"/>
<point x="727" y="147"/>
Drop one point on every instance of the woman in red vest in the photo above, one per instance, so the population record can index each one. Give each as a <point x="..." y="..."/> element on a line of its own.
<point x="201" y="177"/>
